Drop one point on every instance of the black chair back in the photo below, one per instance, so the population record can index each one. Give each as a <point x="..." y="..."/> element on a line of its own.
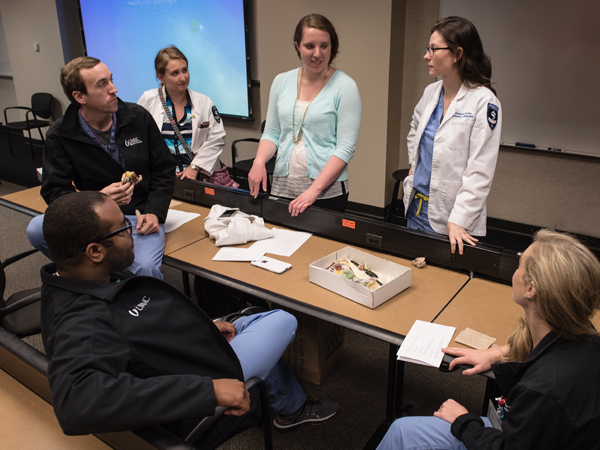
<point x="41" y="104"/>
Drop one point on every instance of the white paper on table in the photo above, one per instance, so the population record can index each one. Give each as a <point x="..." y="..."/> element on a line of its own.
<point x="176" y="218"/>
<point x="423" y="343"/>
<point x="283" y="242"/>
<point x="238" y="254"/>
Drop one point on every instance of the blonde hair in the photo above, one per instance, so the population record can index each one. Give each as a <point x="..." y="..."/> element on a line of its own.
<point x="566" y="277"/>
<point x="164" y="56"/>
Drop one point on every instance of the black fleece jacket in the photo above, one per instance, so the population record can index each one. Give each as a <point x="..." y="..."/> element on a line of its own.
<point x="128" y="354"/>
<point x="552" y="400"/>
<point x="71" y="156"/>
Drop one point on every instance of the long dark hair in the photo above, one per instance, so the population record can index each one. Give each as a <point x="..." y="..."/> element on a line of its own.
<point x="474" y="66"/>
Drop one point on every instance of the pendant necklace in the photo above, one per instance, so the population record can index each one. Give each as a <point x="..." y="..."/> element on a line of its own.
<point x="296" y="140"/>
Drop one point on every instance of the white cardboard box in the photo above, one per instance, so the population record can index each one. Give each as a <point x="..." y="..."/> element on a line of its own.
<point x="399" y="277"/>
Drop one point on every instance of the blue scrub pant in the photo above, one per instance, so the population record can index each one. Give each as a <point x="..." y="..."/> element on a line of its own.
<point x="259" y="342"/>
<point x="420" y="433"/>
<point x="422" y="221"/>
<point x="149" y="249"/>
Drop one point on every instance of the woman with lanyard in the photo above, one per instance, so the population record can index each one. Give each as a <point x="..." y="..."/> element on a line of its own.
<point x="454" y="137"/>
<point x="188" y="120"/>
<point x="547" y="373"/>
<point x="312" y="123"/>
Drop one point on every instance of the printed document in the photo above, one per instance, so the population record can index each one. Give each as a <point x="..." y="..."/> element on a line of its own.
<point x="176" y="218"/>
<point x="283" y="242"/>
<point x="423" y="343"/>
<point x="238" y="254"/>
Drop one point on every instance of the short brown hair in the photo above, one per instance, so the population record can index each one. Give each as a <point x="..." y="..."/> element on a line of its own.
<point x="70" y="77"/>
<point x="164" y="56"/>
<point x="320" y="23"/>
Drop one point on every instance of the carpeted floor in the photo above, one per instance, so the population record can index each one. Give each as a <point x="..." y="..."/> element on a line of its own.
<point x="357" y="381"/>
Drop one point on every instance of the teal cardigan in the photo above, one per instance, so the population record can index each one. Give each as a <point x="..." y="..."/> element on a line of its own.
<point x="330" y="128"/>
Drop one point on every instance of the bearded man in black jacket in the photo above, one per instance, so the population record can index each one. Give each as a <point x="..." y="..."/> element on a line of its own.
<point x="127" y="351"/>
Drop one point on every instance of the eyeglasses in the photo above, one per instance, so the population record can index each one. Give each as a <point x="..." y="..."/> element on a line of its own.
<point x="128" y="228"/>
<point x="431" y="50"/>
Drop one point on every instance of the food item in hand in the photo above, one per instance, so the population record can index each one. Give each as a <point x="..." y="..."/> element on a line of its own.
<point x="130" y="177"/>
<point x="358" y="273"/>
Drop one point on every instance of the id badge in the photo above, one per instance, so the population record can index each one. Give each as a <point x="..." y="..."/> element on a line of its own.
<point x="492" y="414"/>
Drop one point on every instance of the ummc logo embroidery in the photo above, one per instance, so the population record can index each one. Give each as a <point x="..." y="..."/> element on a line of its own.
<point x="132" y="141"/>
<point x="140" y="306"/>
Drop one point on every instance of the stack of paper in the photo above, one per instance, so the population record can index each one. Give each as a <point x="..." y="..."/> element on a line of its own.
<point x="423" y="343"/>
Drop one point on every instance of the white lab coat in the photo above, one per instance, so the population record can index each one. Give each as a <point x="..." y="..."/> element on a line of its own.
<point x="465" y="152"/>
<point x="207" y="142"/>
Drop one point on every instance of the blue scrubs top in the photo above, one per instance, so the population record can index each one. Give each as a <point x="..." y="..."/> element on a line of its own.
<point x="422" y="178"/>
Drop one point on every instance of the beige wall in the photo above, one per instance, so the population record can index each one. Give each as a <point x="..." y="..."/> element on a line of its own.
<point x="26" y="22"/>
<point x="364" y="30"/>
<point x="545" y="190"/>
<point x="8" y="95"/>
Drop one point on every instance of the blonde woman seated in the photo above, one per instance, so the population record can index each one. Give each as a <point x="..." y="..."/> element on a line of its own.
<point x="548" y="373"/>
<point x="189" y="121"/>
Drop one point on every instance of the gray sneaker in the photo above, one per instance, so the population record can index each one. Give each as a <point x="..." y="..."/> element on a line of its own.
<point x="313" y="412"/>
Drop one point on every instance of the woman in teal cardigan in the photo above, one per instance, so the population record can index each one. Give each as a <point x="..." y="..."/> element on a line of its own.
<point x="312" y="123"/>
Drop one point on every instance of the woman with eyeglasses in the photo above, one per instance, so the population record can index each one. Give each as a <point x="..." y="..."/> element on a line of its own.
<point x="547" y="373"/>
<point x="454" y="137"/>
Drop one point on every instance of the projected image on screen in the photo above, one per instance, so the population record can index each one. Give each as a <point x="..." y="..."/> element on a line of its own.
<point x="127" y="34"/>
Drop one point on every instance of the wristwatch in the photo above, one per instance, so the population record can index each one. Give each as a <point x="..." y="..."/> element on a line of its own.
<point x="195" y="167"/>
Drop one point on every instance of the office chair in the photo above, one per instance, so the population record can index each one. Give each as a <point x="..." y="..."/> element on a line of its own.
<point x="209" y="421"/>
<point x="396" y="208"/>
<point x="41" y="106"/>
<point x="243" y="167"/>
<point x="19" y="313"/>
<point x="30" y="367"/>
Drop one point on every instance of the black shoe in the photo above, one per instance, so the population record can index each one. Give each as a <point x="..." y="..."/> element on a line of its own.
<point x="252" y="310"/>
<point x="313" y="412"/>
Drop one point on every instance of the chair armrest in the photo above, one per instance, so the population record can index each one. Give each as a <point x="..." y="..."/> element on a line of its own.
<point x="14" y="107"/>
<point x="13" y="259"/>
<point x="22" y="303"/>
<point x="233" y="148"/>
<point x="159" y="437"/>
<point x="208" y="421"/>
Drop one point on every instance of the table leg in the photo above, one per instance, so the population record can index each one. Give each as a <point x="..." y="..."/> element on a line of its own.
<point x="394" y="406"/>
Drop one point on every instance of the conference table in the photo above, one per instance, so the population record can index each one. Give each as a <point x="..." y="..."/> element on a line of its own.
<point x="29" y="422"/>
<point x="436" y="294"/>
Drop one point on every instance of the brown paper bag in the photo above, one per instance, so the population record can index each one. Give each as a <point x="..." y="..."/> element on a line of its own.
<point x="317" y="346"/>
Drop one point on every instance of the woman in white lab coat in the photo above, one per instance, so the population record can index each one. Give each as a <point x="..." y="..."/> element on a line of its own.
<point x="189" y="121"/>
<point x="454" y="137"/>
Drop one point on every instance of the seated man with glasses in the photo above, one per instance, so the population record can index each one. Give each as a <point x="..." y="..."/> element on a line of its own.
<point x="127" y="351"/>
<point x="98" y="139"/>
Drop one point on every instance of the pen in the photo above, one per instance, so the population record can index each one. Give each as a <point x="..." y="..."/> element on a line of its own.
<point x="526" y="145"/>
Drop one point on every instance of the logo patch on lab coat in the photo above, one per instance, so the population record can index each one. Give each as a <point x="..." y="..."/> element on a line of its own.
<point x="216" y="114"/>
<point x="492" y="116"/>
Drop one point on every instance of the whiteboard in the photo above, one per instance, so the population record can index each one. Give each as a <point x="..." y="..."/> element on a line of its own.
<point x="4" y="59"/>
<point x="546" y="67"/>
